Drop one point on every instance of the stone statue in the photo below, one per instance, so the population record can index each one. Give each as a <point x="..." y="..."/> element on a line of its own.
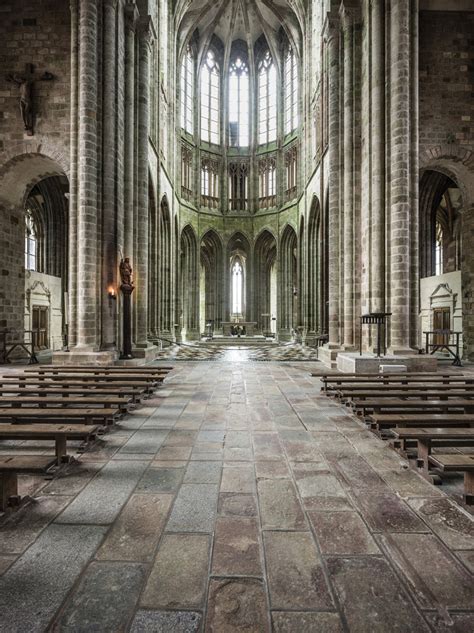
<point x="126" y="272"/>
<point x="25" y="84"/>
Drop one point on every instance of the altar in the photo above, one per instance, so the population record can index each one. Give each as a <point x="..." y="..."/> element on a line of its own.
<point x="248" y="325"/>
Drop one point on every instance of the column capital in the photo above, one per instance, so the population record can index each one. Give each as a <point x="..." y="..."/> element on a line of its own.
<point x="110" y="4"/>
<point x="349" y="15"/>
<point x="131" y="16"/>
<point x="73" y="5"/>
<point x="146" y="29"/>
<point x="331" y="26"/>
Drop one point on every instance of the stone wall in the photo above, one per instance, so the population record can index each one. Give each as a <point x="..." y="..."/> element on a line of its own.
<point x="446" y="78"/>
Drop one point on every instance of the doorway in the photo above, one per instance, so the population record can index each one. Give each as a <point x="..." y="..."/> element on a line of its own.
<point x="441" y="321"/>
<point x="40" y="327"/>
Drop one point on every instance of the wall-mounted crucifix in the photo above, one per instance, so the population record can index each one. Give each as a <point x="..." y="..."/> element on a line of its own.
<point x="25" y="84"/>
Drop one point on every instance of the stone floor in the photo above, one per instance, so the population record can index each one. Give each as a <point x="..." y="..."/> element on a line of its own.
<point x="270" y="352"/>
<point x="237" y="499"/>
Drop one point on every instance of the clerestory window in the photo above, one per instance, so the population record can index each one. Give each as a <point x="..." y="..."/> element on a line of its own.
<point x="291" y="91"/>
<point x="31" y="241"/>
<point x="267" y="100"/>
<point x="237" y="287"/>
<point x="239" y="103"/>
<point x="210" y="100"/>
<point x="187" y="91"/>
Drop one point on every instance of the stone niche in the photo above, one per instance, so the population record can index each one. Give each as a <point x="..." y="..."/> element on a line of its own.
<point x="43" y="292"/>
<point x="441" y="292"/>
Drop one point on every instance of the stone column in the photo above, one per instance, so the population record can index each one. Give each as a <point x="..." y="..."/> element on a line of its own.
<point x="141" y="228"/>
<point x="467" y="281"/>
<point x="87" y="225"/>
<point x="72" y="237"/>
<point x="131" y="16"/>
<point x="348" y="174"/>
<point x="332" y="40"/>
<point x="377" y="132"/>
<point x="109" y="198"/>
<point x="400" y="180"/>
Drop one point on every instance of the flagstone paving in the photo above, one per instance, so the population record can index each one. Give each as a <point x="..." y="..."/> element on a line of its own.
<point x="236" y="499"/>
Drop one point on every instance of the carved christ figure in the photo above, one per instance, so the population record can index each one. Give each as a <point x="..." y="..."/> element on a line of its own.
<point x="25" y="85"/>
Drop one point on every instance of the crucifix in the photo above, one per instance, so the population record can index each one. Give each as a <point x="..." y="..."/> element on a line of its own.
<point x="25" y="84"/>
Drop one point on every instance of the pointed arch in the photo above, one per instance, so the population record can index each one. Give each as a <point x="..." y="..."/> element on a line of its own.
<point x="265" y="257"/>
<point x="211" y="254"/>
<point x="189" y="283"/>
<point x="288" y="280"/>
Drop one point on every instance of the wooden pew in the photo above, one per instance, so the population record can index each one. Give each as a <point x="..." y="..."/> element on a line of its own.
<point x="121" y="402"/>
<point x="142" y="387"/>
<point x="426" y="437"/>
<point x="406" y="420"/>
<point x="415" y="386"/>
<point x="132" y="369"/>
<point x="61" y="415"/>
<point x="59" y="433"/>
<point x="397" y="379"/>
<point x="151" y="380"/>
<point x="11" y="465"/>
<point x="131" y="392"/>
<point x="362" y="394"/>
<point x="399" y="405"/>
<point x="457" y="462"/>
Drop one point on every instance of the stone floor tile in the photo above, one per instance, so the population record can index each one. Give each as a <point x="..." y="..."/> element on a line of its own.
<point x="340" y="533"/>
<point x="280" y="508"/>
<point x="178" y="578"/>
<point x="156" y="480"/>
<point x="237" y="504"/>
<point x="237" y="606"/>
<point x="272" y="470"/>
<point x="21" y="528"/>
<point x="354" y="472"/>
<point x="158" y="463"/>
<point x="237" y="454"/>
<point x="387" y="513"/>
<point x="319" y="489"/>
<point x="34" y="587"/>
<point x="194" y="509"/>
<point x="294" y="571"/>
<point x="237" y="439"/>
<point x="267" y="447"/>
<point x="166" y="622"/>
<point x="180" y="438"/>
<point x="72" y="478"/>
<point x="136" y="532"/>
<point x="451" y="523"/>
<point x="408" y="483"/>
<point x="88" y="611"/>
<point x="104" y="448"/>
<point x="451" y="622"/>
<point x="437" y="580"/>
<point x="238" y="479"/>
<point x="371" y="596"/>
<point x="174" y="453"/>
<point x="203" y="473"/>
<point x="144" y="441"/>
<point x="6" y="562"/>
<point x="303" y="452"/>
<point x="467" y="558"/>
<point x="306" y="622"/>
<point x="236" y="549"/>
<point x="102" y="499"/>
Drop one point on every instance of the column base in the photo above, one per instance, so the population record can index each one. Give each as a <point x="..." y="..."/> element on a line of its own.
<point x="84" y="357"/>
<point x="144" y="354"/>
<point x="327" y="354"/>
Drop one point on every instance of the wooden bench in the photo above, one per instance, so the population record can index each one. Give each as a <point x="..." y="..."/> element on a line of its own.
<point x="401" y="379"/>
<point x="362" y="394"/>
<point x="151" y="380"/>
<point x="399" y="405"/>
<point x="132" y="369"/>
<point x="10" y="466"/>
<point x="457" y="462"/>
<point x="416" y="386"/>
<point x="425" y="438"/>
<point x="405" y="420"/>
<point x="87" y="416"/>
<point x="143" y="388"/>
<point x="133" y="393"/>
<point x="59" y="433"/>
<point x="121" y="402"/>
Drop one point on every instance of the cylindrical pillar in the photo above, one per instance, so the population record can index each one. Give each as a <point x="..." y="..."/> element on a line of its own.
<point x="141" y="229"/>
<point x="87" y="290"/>
<point x="348" y="158"/>
<point x="400" y="190"/>
<point x="131" y="15"/>
<point x="377" y="103"/>
<point x="334" y="182"/>
<point x="109" y="197"/>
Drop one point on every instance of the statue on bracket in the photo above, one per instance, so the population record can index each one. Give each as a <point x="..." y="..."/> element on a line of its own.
<point x="126" y="272"/>
<point x="25" y="83"/>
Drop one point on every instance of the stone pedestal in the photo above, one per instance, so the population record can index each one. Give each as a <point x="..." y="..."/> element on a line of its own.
<point x="354" y="363"/>
<point x="77" y="357"/>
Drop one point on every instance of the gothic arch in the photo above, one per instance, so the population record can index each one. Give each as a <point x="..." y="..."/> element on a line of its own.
<point x="189" y="283"/>
<point x="288" y="276"/>
<point x="239" y="245"/>
<point x="314" y="268"/>
<point x="455" y="162"/>
<point x="265" y="257"/>
<point x="212" y="263"/>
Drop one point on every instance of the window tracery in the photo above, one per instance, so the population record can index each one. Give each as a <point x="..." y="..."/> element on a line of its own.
<point x="210" y="86"/>
<point x="31" y="241"/>
<point x="267" y="100"/>
<point x="239" y="99"/>
<point x="209" y="183"/>
<point x="187" y="92"/>
<point x="291" y="91"/>
<point x="186" y="172"/>
<point x="267" y="182"/>
<point x="238" y="186"/>
<point x="291" y="165"/>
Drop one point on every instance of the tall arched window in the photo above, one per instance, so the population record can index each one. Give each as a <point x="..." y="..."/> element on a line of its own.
<point x="31" y="241"/>
<point x="210" y="100"/>
<point x="439" y="249"/>
<point x="267" y="100"/>
<point x="187" y="91"/>
<point x="291" y="91"/>
<point x="239" y="103"/>
<point x="237" y="287"/>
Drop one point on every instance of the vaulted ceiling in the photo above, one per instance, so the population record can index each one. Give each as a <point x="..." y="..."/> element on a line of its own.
<point x="246" y="20"/>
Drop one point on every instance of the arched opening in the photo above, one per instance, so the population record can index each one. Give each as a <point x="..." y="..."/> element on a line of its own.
<point x="288" y="283"/>
<point x="34" y="199"/>
<point x="316" y="306"/>
<point x="212" y="286"/>
<point x="164" y="270"/>
<point x="189" y="285"/>
<point x="238" y="250"/>
<point x="265" y="282"/>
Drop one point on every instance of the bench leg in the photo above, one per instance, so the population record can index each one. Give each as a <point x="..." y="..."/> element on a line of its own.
<point x="469" y="488"/>
<point x="424" y="451"/>
<point x="61" y="450"/>
<point x="8" y="488"/>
